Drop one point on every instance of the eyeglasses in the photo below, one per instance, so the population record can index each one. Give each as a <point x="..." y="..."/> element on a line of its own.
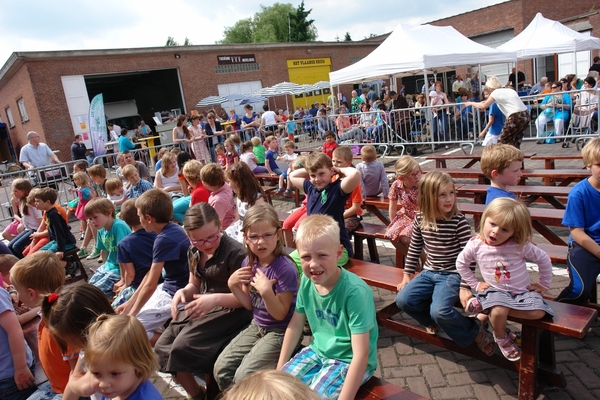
<point x="554" y="87"/>
<point x="267" y="237"/>
<point x="210" y="239"/>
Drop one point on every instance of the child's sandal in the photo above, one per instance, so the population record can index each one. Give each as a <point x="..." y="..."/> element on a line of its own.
<point x="473" y="306"/>
<point x="432" y="330"/>
<point x="509" y="349"/>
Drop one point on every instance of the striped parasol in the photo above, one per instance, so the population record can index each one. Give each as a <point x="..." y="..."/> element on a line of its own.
<point x="211" y="101"/>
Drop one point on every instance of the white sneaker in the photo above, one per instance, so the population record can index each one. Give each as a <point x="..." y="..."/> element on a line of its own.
<point x="95" y="254"/>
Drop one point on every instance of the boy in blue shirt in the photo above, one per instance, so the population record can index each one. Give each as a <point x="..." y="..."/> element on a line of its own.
<point x="582" y="216"/>
<point x="501" y="164"/>
<point x="326" y="197"/>
<point x="134" y="254"/>
<point x="102" y="215"/>
<point x="151" y="302"/>
<point x="271" y="156"/>
<point x="340" y="310"/>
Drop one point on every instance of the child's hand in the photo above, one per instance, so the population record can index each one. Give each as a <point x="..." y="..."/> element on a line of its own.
<point x="199" y="307"/>
<point x="262" y="283"/>
<point x="23" y="377"/>
<point x="404" y="282"/>
<point x="240" y="278"/>
<point x="536" y="287"/>
<point x="482" y="286"/>
<point x="60" y="255"/>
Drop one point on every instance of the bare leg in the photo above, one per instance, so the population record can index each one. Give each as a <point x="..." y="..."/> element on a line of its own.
<point x="188" y="382"/>
<point x="498" y="316"/>
<point x="527" y="314"/>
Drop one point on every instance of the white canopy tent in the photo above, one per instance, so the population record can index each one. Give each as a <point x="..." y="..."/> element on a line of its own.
<point x="544" y="37"/>
<point x="412" y="50"/>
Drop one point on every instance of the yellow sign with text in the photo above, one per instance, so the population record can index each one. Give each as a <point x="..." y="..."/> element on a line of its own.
<point x="308" y="62"/>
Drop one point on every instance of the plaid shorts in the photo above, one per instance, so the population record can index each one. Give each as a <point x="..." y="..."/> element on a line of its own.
<point x="323" y="375"/>
<point x="123" y="296"/>
<point x="105" y="280"/>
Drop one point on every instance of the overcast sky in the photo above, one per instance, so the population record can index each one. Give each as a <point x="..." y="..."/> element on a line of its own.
<point x="33" y="25"/>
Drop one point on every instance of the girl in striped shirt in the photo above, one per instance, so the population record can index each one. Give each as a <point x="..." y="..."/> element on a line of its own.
<point x="500" y="250"/>
<point x="429" y="297"/>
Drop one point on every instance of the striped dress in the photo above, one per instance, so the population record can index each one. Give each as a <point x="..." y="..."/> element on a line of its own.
<point x="441" y="246"/>
<point x="503" y="268"/>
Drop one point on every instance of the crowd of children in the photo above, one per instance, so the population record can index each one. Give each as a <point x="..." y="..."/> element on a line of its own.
<point x="236" y="301"/>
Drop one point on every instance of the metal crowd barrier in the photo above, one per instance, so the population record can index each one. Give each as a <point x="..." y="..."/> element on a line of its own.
<point x="57" y="176"/>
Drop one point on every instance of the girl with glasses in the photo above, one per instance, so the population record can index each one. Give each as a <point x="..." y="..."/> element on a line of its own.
<point x="206" y="315"/>
<point x="267" y="284"/>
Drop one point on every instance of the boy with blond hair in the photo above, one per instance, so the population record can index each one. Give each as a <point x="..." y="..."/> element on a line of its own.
<point x="97" y="174"/>
<point x="582" y="216"/>
<point x="116" y="192"/>
<point x="151" y="302"/>
<point x="102" y="215"/>
<point x="501" y="164"/>
<point x="373" y="179"/>
<point x="259" y="150"/>
<point x="288" y="157"/>
<point x="137" y="185"/>
<point x="35" y="277"/>
<point x="339" y="306"/>
<point x="271" y="156"/>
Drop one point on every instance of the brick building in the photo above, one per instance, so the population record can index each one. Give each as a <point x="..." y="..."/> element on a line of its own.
<point x="48" y="91"/>
<point x="38" y="89"/>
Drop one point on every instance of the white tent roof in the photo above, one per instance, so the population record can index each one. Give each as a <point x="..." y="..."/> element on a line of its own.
<point x="411" y="49"/>
<point x="544" y="36"/>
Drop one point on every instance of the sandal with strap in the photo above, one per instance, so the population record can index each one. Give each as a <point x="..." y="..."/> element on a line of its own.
<point x="509" y="349"/>
<point x="473" y="306"/>
<point x="432" y="330"/>
<point x="486" y="340"/>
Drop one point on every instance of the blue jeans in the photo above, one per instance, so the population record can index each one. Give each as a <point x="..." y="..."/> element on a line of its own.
<point x="9" y="390"/>
<point x="429" y="298"/>
<point x="441" y="119"/>
<point x="20" y="242"/>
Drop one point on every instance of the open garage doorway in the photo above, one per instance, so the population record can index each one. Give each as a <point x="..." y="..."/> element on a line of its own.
<point x="154" y="91"/>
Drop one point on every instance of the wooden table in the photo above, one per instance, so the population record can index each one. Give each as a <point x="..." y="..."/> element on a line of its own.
<point x="541" y="218"/>
<point x="532" y="193"/>
<point x="150" y="143"/>
<point x="440" y="159"/>
<point x="549" y="162"/>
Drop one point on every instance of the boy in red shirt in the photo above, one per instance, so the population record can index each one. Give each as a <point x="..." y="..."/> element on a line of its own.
<point x="330" y="144"/>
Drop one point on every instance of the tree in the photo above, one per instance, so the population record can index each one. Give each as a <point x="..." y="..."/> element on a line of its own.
<point x="347" y="37"/>
<point x="172" y="42"/>
<point x="280" y="22"/>
<point x="302" y="29"/>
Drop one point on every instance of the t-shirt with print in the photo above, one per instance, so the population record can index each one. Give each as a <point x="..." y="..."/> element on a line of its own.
<point x="170" y="247"/>
<point x="582" y="210"/>
<point x="329" y="201"/>
<point x="136" y="248"/>
<point x="284" y="271"/>
<point x="347" y="310"/>
<point x="109" y="239"/>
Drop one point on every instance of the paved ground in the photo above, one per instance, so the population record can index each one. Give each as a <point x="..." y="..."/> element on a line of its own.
<point x="438" y="374"/>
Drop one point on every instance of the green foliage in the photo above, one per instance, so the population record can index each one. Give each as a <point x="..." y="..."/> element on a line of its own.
<point x="280" y="22"/>
<point x="172" y="42"/>
<point x="347" y="37"/>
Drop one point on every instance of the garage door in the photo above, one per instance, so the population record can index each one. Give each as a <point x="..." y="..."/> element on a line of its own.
<point x="239" y="88"/>
<point x="494" y="40"/>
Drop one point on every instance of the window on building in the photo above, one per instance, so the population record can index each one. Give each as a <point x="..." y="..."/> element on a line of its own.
<point x="11" y="121"/>
<point x="22" y="110"/>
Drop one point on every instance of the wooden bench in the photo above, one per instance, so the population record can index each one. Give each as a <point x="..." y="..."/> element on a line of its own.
<point x="540" y="218"/>
<point x="549" y="162"/>
<point x="71" y="256"/>
<point x="537" y="365"/>
<point x="554" y="195"/>
<point x="472" y="159"/>
<point x="274" y="185"/>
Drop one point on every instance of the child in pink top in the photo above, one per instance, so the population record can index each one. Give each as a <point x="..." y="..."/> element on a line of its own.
<point x="221" y="195"/>
<point x="500" y="250"/>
